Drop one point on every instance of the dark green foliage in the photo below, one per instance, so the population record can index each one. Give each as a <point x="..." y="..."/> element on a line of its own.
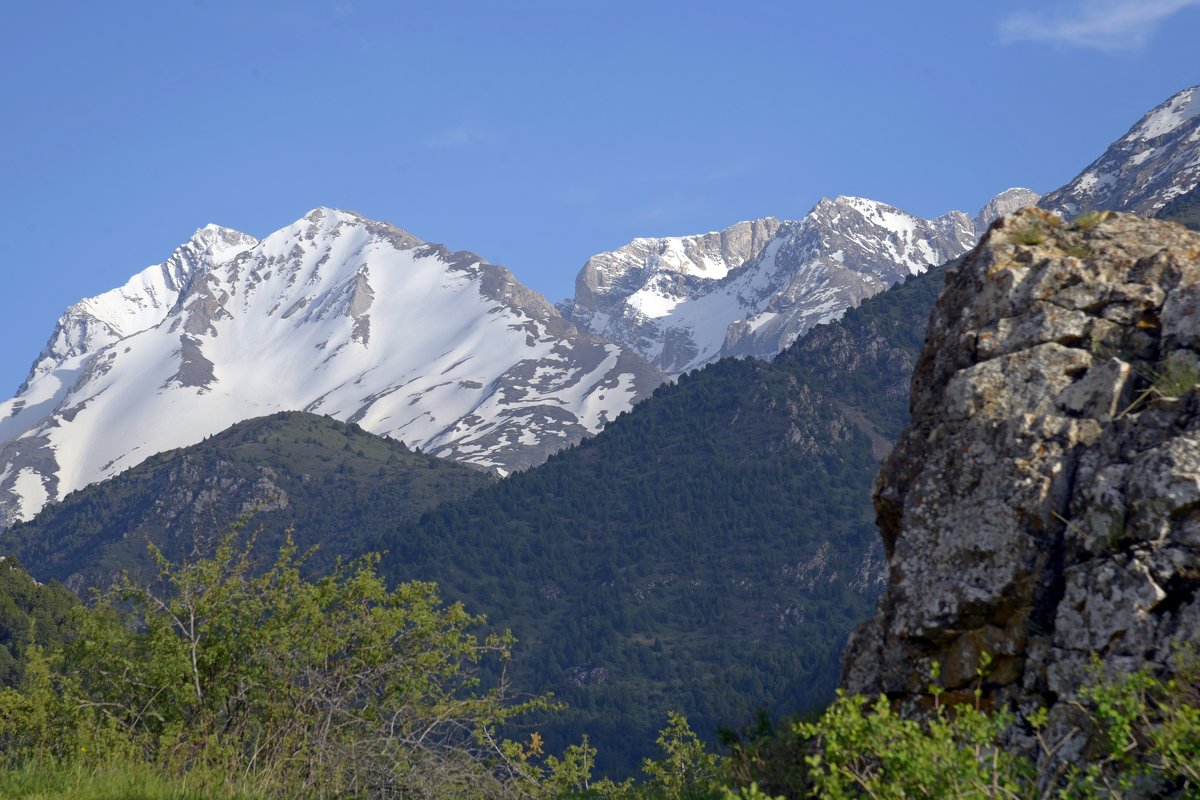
<point x="328" y="480"/>
<point x="1184" y="209"/>
<point x="29" y="613"/>
<point x="698" y="555"/>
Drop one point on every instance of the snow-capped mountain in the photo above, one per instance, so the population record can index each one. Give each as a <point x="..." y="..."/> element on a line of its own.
<point x="335" y="314"/>
<point x="1158" y="160"/>
<point x="751" y="289"/>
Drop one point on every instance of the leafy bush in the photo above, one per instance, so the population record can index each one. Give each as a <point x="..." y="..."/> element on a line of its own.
<point x="332" y="686"/>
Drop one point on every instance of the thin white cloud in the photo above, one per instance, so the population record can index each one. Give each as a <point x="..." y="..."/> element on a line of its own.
<point x="460" y="136"/>
<point x="1100" y="25"/>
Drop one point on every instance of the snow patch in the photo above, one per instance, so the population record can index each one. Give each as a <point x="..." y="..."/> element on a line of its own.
<point x="28" y="486"/>
<point x="1167" y="117"/>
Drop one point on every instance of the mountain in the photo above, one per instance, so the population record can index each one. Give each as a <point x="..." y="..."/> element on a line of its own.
<point x="1042" y="507"/>
<point x="751" y="289"/>
<point x="707" y="552"/>
<point x="1002" y="205"/>
<point x="1155" y="162"/>
<point x="327" y="480"/>
<point x="334" y="314"/>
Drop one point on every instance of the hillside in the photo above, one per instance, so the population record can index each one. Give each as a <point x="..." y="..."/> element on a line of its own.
<point x="708" y="551"/>
<point x="328" y="480"/>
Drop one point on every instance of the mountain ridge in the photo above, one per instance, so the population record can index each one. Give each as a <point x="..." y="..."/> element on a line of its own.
<point x="753" y="288"/>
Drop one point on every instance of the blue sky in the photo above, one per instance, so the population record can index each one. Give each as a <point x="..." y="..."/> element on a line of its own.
<point x="534" y="133"/>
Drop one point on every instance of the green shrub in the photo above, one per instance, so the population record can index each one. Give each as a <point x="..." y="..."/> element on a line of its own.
<point x="337" y="683"/>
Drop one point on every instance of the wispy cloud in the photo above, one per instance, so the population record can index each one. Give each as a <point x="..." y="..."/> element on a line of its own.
<point x="1101" y="25"/>
<point x="460" y="136"/>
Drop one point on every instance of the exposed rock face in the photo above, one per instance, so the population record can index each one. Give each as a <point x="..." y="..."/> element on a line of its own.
<point x="1044" y="504"/>
<point x="623" y="295"/>
<point x="1003" y="204"/>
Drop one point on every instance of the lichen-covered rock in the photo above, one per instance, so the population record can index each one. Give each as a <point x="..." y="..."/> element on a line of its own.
<point x="1044" y="504"/>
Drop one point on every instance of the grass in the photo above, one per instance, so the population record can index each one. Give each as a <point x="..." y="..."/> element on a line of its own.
<point x="1176" y="376"/>
<point x="53" y="780"/>
<point x="1090" y="219"/>
<point x="1033" y="232"/>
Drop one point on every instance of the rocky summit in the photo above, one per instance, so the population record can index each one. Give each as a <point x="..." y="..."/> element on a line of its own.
<point x="1044" y="504"/>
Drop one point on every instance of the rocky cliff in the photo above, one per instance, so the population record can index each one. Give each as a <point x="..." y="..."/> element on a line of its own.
<point x="1044" y="504"/>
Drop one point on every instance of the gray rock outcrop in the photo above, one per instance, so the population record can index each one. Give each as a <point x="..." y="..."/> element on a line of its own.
<point x="1044" y="504"/>
<point x="1003" y="204"/>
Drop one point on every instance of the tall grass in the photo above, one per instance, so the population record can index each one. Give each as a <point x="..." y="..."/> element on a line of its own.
<point x="119" y="780"/>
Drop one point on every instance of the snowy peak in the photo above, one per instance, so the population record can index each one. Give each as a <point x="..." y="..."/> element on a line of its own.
<point x="142" y="302"/>
<point x="882" y="239"/>
<point x="1156" y="161"/>
<point x="706" y="256"/>
<point x="842" y="252"/>
<point x="751" y="289"/>
<point x="216" y="244"/>
<point x="334" y="314"/>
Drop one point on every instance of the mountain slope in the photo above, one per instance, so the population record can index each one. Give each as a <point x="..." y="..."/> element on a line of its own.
<point x="1155" y="162"/>
<point x="1184" y="209"/>
<point x="328" y="480"/>
<point x="141" y="303"/>
<point x="750" y="290"/>
<point x="334" y="314"/>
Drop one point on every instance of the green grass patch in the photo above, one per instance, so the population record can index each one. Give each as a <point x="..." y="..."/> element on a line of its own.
<point x="1030" y="234"/>
<point x="123" y="780"/>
